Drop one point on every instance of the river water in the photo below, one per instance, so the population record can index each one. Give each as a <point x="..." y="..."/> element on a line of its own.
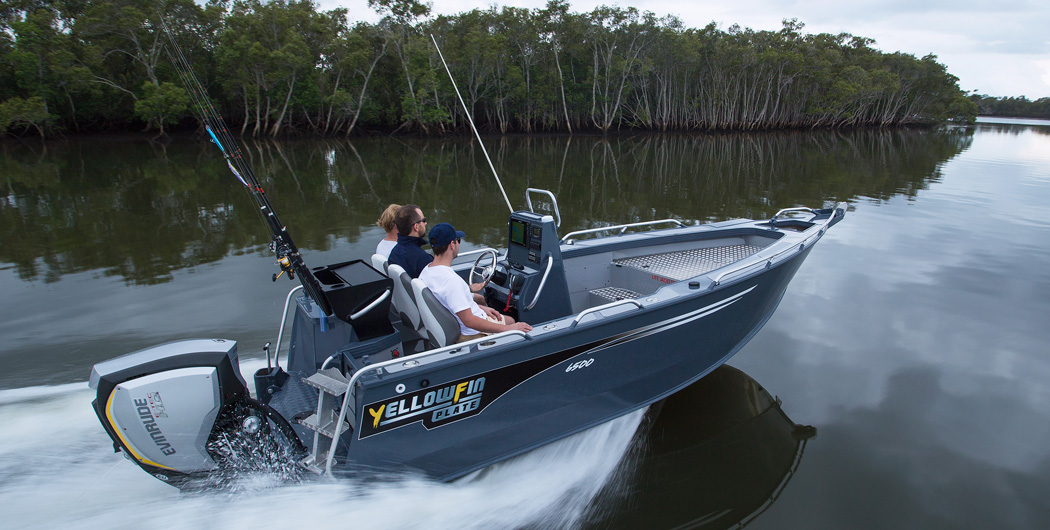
<point x="903" y="382"/>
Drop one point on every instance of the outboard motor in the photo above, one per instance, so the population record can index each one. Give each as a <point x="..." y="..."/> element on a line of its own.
<point x="182" y="412"/>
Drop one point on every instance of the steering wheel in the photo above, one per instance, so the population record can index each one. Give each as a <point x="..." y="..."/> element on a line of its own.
<point x="482" y="274"/>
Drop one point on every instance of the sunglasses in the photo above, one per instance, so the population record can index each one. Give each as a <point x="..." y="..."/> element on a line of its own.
<point x="423" y="220"/>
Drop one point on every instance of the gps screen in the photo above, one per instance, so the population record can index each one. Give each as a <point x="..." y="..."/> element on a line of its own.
<point x="517" y="232"/>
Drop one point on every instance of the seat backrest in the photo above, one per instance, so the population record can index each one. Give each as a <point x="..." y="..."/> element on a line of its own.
<point x="442" y="327"/>
<point x="404" y="301"/>
<point x="379" y="263"/>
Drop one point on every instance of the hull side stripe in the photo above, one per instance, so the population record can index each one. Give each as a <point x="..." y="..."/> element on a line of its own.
<point x="671" y="323"/>
<point x="539" y="365"/>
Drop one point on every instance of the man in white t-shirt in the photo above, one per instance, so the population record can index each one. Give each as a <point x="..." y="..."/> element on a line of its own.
<point x="454" y="293"/>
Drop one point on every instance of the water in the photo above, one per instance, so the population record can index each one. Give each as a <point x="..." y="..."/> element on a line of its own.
<point x="75" y="481"/>
<point x="913" y="339"/>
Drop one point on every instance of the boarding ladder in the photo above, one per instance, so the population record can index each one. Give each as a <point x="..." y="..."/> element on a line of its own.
<point x="325" y="421"/>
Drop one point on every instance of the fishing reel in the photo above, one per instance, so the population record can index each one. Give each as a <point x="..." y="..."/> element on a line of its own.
<point x="284" y="261"/>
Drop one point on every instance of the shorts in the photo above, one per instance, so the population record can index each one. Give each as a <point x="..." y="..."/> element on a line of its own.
<point x="478" y="335"/>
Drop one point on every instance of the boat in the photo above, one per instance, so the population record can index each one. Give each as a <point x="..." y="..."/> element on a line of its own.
<point x="374" y="382"/>
<point x="623" y="316"/>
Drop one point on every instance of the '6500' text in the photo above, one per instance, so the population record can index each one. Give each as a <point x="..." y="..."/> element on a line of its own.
<point x="579" y="364"/>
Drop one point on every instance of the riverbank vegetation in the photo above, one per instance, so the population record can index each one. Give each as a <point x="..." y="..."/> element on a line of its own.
<point x="80" y="206"/>
<point x="1011" y="107"/>
<point x="285" y="68"/>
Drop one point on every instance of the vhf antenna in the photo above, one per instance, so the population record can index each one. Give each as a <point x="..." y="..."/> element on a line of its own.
<point x="471" y="121"/>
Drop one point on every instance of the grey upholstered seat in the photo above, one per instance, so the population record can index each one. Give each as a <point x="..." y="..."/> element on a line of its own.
<point x="379" y="263"/>
<point x="442" y="327"/>
<point x="404" y="301"/>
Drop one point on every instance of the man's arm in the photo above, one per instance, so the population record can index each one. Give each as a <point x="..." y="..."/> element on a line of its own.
<point x="472" y="321"/>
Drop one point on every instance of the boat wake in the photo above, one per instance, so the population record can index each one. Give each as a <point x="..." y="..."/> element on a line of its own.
<point x="57" y="471"/>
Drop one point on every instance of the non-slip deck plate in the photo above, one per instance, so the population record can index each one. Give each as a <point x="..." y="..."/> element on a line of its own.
<point x="685" y="264"/>
<point x="615" y="293"/>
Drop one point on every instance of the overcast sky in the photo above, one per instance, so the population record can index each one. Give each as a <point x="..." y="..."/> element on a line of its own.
<point x="997" y="47"/>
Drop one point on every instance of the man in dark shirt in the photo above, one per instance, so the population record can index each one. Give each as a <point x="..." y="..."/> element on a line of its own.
<point x="411" y="227"/>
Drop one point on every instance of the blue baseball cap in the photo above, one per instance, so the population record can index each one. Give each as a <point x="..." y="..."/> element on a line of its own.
<point x="442" y="234"/>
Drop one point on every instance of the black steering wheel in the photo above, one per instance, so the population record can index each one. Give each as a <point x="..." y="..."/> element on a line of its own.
<point x="482" y="274"/>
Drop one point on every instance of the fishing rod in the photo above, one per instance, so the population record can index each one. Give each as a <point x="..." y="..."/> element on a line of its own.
<point x="289" y="259"/>
<point x="471" y="121"/>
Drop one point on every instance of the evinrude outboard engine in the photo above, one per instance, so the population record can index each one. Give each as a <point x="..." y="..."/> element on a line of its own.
<point x="182" y="412"/>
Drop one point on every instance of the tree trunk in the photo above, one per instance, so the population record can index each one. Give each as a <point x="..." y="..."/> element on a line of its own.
<point x="247" y="117"/>
<point x="364" y="88"/>
<point x="561" y="85"/>
<point x="328" y="120"/>
<point x="284" y="109"/>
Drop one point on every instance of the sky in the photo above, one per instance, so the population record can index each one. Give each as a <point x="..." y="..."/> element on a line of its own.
<point x="999" y="48"/>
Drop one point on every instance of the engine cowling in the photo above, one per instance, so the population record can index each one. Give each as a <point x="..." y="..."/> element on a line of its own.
<point x="160" y="404"/>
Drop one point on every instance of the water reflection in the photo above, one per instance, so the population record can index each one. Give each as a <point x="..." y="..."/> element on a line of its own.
<point x="717" y="455"/>
<point x="139" y="210"/>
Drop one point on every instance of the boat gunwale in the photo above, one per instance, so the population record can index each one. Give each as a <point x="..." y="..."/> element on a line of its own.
<point x="680" y="292"/>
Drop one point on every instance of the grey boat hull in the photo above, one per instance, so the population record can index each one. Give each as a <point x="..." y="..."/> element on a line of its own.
<point x="624" y="364"/>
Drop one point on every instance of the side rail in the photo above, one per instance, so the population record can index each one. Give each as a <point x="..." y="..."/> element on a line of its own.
<point x="622" y="228"/>
<point x="576" y="321"/>
<point x="409" y="363"/>
<point x="776" y="258"/>
<point x="284" y="320"/>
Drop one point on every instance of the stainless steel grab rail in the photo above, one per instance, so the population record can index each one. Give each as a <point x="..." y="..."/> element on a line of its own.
<point x="610" y="305"/>
<point x="768" y="261"/>
<point x="378" y="367"/>
<point x="543" y="281"/>
<point x="284" y="319"/>
<point x="621" y="228"/>
<point x="369" y="307"/>
<point x="554" y="201"/>
<point x="790" y="210"/>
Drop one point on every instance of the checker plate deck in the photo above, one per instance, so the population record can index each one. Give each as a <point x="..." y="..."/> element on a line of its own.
<point x="615" y="293"/>
<point x="685" y="264"/>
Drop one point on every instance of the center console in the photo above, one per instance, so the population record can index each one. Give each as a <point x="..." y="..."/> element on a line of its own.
<point x="532" y="276"/>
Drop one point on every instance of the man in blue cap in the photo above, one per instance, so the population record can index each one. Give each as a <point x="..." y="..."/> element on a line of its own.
<point x="454" y="293"/>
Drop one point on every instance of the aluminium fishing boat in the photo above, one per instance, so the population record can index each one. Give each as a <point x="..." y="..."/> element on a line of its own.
<point x="620" y="321"/>
<point x="374" y="378"/>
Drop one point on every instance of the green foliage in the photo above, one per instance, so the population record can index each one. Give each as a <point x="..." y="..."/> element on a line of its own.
<point x="30" y="112"/>
<point x="162" y="104"/>
<point x="282" y="66"/>
<point x="1020" y="107"/>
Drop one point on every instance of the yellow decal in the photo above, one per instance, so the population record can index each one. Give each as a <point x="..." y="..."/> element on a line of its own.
<point x="117" y="429"/>
<point x="459" y="390"/>
<point x="376" y="415"/>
